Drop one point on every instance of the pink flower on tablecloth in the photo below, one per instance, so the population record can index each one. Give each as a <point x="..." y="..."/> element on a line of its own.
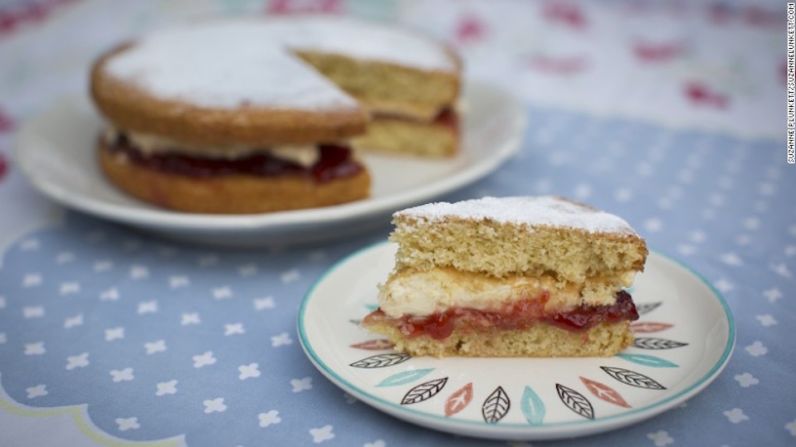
<point x="469" y="29"/>
<point x="701" y="94"/>
<point x="12" y="17"/>
<point x="567" y="14"/>
<point x="3" y="167"/>
<point x="754" y="15"/>
<point x="657" y="52"/>
<point x="562" y="65"/>
<point x="719" y="13"/>
<point x="283" y="7"/>
<point x="6" y="123"/>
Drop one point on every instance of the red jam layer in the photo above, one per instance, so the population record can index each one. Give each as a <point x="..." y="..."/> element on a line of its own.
<point x="518" y="315"/>
<point x="447" y="117"/>
<point x="334" y="162"/>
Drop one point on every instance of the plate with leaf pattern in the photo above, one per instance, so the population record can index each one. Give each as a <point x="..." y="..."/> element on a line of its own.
<point x="684" y="338"/>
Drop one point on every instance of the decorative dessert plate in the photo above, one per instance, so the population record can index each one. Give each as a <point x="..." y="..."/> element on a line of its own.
<point x="684" y="338"/>
<point x="57" y="153"/>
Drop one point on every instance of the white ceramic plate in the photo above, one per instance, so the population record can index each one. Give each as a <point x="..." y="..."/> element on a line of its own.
<point x="57" y="153"/>
<point x="684" y="338"/>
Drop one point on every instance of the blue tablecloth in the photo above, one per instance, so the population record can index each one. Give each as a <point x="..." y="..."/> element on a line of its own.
<point x="160" y="339"/>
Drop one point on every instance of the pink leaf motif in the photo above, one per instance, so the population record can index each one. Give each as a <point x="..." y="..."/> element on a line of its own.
<point x="374" y="345"/>
<point x="469" y="29"/>
<point x="567" y="14"/>
<point x="644" y="327"/>
<point x="701" y="94"/>
<point x="604" y="392"/>
<point x="459" y="400"/>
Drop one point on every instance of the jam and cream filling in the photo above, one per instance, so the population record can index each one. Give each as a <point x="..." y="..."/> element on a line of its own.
<point x="517" y="315"/>
<point x="330" y="162"/>
<point x="306" y="155"/>
<point x="440" y="289"/>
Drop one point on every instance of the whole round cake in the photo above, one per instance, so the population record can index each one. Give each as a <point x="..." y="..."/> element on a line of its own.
<point x="251" y="116"/>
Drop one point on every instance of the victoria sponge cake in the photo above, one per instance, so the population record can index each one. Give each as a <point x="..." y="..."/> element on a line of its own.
<point x="514" y="276"/>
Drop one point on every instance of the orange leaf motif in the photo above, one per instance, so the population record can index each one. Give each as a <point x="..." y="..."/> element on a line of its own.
<point x="604" y="392"/>
<point x="373" y="345"/>
<point x="648" y="326"/>
<point x="459" y="399"/>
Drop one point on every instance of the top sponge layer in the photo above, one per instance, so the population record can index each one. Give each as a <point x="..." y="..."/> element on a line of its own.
<point x="518" y="235"/>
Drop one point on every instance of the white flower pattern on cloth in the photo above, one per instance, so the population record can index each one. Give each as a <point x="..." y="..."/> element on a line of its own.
<point x="322" y="434"/>
<point x="660" y="438"/>
<point x="269" y="418"/>
<point x="250" y="371"/>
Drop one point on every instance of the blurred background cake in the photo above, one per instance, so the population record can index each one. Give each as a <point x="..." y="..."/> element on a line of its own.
<point x="251" y="116"/>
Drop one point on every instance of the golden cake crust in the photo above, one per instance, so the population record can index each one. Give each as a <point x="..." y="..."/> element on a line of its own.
<point x="229" y="194"/>
<point x="129" y="107"/>
<point x="539" y="340"/>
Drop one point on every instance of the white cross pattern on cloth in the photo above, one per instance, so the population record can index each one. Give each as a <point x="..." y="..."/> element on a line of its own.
<point x="122" y="375"/>
<point x="147" y="307"/>
<point x="36" y="391"/>
<point x="249" y="371"/>
<point x="164" y="388"/>
<point x="125" y="424"/>
<point x="155" y="346"/>
<point x="269" y="418"/>
<point x="115" y="333"/>
<point x="215" y="405"/>
<point x="77" y="361"/>
<point x="234" y="329"/>
<point x="192" y="318"/>
<point x="204" y="359"/>
<point x="321" y="434"/>
<point x="36" y="348"/>
<point x="281" y="340"/>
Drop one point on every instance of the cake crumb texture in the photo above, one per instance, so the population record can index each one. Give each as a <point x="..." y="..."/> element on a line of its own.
<point x="399" y="136"/>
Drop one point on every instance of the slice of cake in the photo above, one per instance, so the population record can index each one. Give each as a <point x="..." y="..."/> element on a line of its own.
<point x="515" y="276"/>
<point x="435" y="138"/>
<point x="410" y="97"/>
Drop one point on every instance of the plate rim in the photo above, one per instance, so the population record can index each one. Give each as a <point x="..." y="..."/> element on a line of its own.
<point x="635" y="414"/>
<point x="157" y="218"/>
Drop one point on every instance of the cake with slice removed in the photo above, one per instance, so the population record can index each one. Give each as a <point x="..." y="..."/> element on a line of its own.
<point x="507" y="277"/>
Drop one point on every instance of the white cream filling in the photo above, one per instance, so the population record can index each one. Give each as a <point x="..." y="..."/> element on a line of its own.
<point x="426" y="293"/>
<point x="305" y="155"/>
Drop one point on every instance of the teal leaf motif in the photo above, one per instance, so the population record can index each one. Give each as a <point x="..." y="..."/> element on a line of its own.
<point x="404" y="377"/>
<point x="532" y="407"/>
<point x="648" y="360"/>
<point x="371" y="307"/>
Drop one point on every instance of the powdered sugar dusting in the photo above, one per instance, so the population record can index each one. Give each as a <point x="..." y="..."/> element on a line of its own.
<point x="534" y="211"/>
<point x="236" y="62"/>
